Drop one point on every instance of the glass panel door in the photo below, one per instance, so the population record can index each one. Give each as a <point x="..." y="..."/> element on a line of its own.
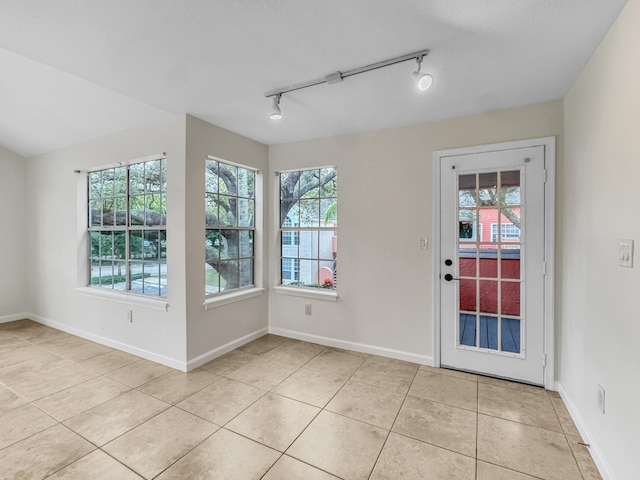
<point x="490" y="220"/>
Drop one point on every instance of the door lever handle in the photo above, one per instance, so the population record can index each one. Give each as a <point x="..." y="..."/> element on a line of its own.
<point x="448" y="277"/>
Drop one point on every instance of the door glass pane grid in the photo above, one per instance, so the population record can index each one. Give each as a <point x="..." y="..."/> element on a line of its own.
<point x="489" y="247"/>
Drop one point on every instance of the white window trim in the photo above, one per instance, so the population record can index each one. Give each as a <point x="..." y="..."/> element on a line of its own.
<point x="315" y="293"/>
<point x="218" y="299"/>
<point x="83" y="281"/>
<point x="155" y="303"/>
<point x="232" y="296"/>
<point x="280" y="288"/>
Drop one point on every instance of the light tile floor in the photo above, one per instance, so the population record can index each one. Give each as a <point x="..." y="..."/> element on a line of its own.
<point x="274" y="409"/>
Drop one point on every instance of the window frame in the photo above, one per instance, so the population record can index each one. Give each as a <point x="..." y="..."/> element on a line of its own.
<point x="240" y="290"/>
<point x="127" y="228"/>
<point x="295" y="230"/>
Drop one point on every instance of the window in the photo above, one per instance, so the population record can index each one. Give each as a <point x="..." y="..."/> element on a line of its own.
<point x="508" y="232"/>
<point x="230" y="226"/>
<point x="127" y="228"/>
<point x="290" y="269"/>
<point x="308" y="228"/>
<point x="290" y="238"/>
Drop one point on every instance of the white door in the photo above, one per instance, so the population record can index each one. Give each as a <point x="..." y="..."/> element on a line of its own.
<point x="492" y="263"/>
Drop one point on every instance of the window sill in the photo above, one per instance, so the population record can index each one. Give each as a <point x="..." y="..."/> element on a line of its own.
<point x="233" y="297"/>
<point x="126" y="298"/>
<point x="318" y="294"/>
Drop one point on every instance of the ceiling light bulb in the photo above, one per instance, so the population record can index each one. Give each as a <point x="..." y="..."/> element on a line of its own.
<point x="423" y="81"/>
<point x="275" y="113"/>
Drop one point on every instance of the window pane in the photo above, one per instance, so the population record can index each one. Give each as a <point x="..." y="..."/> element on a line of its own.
<point x="467" y="329"/>
<point x="328" y="245"/>
<point x="310" y="183"/>
<point x="510" y="299"/>
<point x="211" y="209"/>
<point x="488" y="296"/>
<point x="95" y="214"/>
<point x="154" y="210"/>
<point x="212" y="245"/>
<point x="510" y="264"/>
<point x="136" y="179"/>
<point x="488" y="191"/>
<point x="136" y="209"/>
<point x="488" y="261"/>
<point x="308" y="271"/>
<point x="246" y="273"/>
<point x="309" y="212"/>
<point x="510" y="188"/>
<point x="212" y="280"/>
<point x="245" y="212"/>
<point x="510" y="335"/>
<point x="211" y="176"/>
<point x="227" y="207"/>
<point x="467" y="190"/>
<point x="120" y="213"/>
<point x="228" y="179"/>
<point x="119" y="245"/>
<point x="245" y="183"/>
<point x="95" y="185"/>
<point x="328" y="181"/>
<point x="467" y="261"/>
<point x="289" y="187"/>
<point x="468" y="295"/>
<point x="308" y="244"/>
<point x="325" y="276"/>
<point x="488" y="332"/>
<point x="329" y="212"/>
<point x="136" y="245"/>
<point x="246" y="243"/>
<point x="230" y="247"/>
<point x="229" y="271"/>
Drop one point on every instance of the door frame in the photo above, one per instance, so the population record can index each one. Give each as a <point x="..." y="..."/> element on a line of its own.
<point x="549" y="144"/>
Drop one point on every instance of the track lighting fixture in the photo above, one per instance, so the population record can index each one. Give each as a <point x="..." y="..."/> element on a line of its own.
<point x="276" y="113"/>
<point x="423" y="80"/>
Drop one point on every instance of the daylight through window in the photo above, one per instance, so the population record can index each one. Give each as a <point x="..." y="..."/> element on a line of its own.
<point x="308" y="228"/>
<point x="230" y="226"/>
<point x="127" y="228"/>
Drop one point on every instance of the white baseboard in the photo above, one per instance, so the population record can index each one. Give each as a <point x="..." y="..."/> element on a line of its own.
<point x="594" y="449"/>
<point x="14" y="317"/>
<point x="217" y="352"/>
<point x="169" y="362"/>
<point x="357" y="347"/>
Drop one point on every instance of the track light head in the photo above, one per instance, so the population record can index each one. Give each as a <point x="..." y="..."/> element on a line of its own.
<point x="275" y="113"/>
<point x="423" y="80"/>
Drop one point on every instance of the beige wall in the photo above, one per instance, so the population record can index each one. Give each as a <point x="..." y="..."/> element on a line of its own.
<point x="385" y="205"/>
<point x="600" y="193"/>
<point x="56" y="242"/>
<point x="13" y="252"/>
<point x="215" y="327"/>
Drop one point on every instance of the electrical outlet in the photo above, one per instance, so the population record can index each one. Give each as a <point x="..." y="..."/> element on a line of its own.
<point x="307" y="309"/>
<point x="130" y="316"/>
<point x="601" y="394"/>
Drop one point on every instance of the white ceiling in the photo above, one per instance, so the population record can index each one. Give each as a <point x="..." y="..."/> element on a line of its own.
<point x="72" y="70"/>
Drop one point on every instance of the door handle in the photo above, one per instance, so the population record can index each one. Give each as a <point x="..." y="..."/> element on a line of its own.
<point x="448" y="277"/>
